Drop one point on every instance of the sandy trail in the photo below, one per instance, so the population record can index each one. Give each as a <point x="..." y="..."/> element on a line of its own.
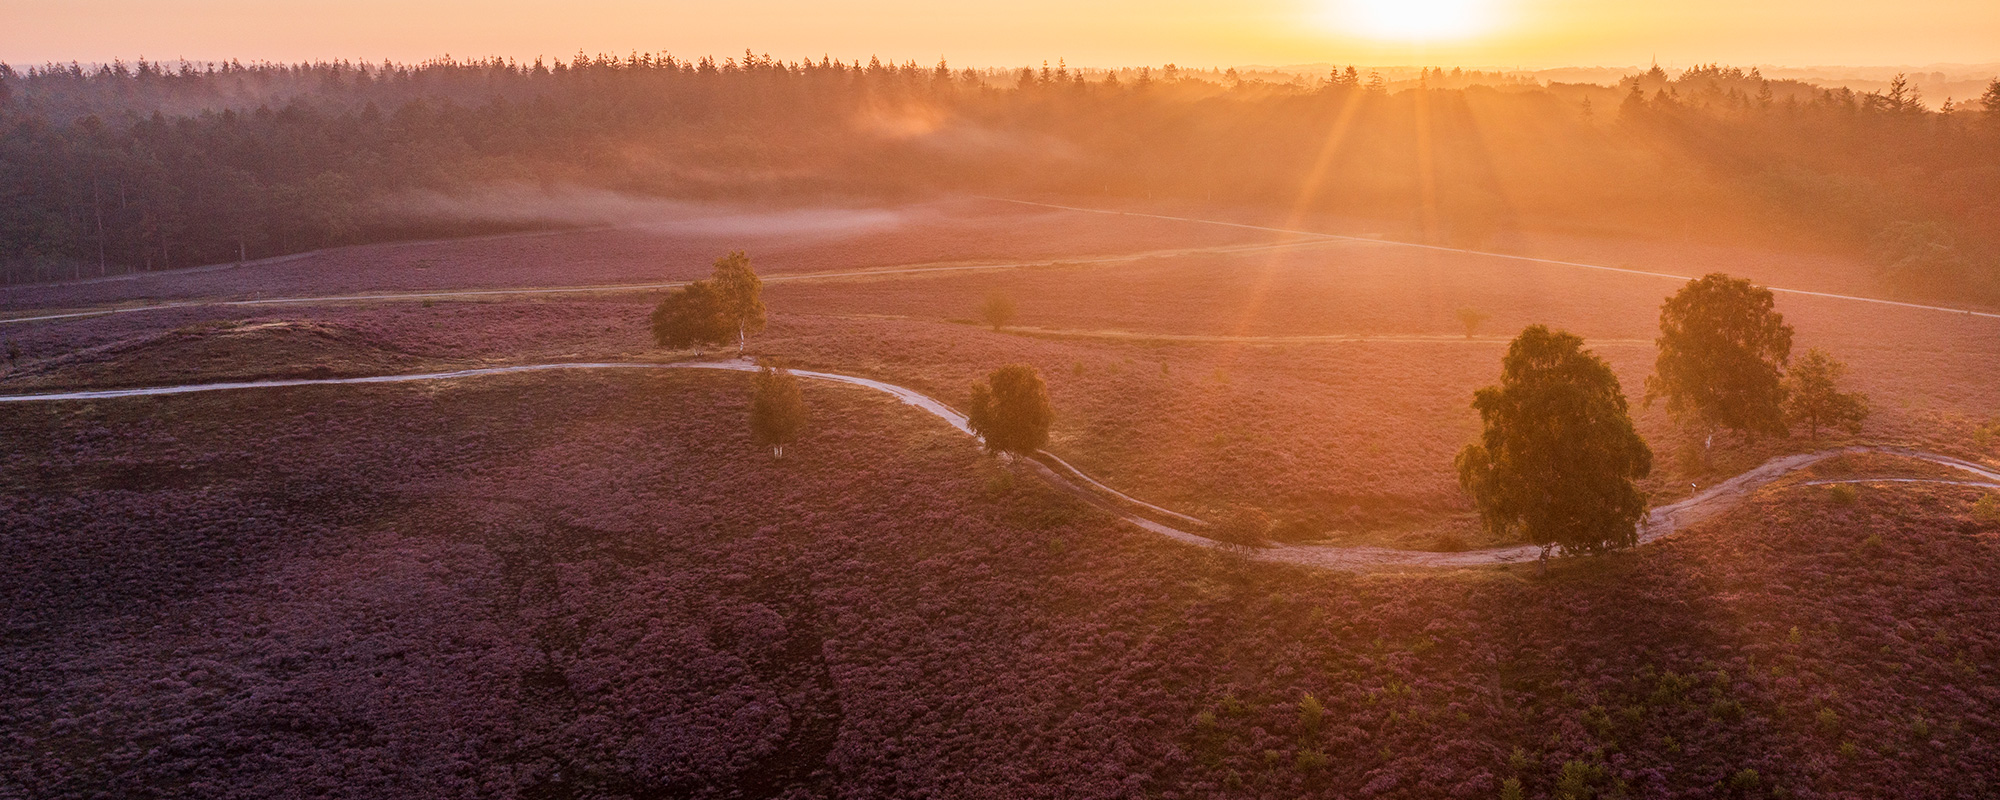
<point x="1487" y="254"/>
<point x="1659" y="523"/>
<point x="1279" y="339"/>
<point x="617" y="288"/>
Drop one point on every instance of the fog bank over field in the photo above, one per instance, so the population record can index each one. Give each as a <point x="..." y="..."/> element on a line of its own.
<point x="518" y="204"/>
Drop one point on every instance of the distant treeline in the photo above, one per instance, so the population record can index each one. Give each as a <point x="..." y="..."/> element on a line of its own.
<point x="119" y="168"/>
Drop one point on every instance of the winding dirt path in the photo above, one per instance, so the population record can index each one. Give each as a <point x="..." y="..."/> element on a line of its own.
<point x="1659" y="523"/>
<point x="1485" y="253"/>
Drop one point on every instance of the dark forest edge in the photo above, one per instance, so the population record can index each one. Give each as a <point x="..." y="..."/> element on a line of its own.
<point x="118" y="169"/>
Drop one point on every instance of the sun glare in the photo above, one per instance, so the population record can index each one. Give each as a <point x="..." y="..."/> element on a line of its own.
<point x="1410" y="20"/>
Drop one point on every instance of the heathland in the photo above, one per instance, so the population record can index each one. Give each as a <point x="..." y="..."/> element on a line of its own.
<point x="596" y="584"/>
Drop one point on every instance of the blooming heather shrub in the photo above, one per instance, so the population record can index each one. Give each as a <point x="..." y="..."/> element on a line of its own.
<point x="595" y="586"/>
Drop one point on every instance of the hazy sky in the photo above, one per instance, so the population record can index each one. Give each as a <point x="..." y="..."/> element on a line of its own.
<point x="1526" y="33"/>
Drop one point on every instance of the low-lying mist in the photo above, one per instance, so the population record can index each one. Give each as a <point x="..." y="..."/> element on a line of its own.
<point x="579" y="206"/>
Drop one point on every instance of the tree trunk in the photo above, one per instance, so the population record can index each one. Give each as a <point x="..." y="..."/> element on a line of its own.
<point x="97" y="209"/>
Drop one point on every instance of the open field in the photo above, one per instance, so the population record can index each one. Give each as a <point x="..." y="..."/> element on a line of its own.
<point x="593" y="585"/>
<point x="693" y="425"/>
<point x="960" y="232"/>
<point x="1179" y="379"/>
<point x="585" y="585"/>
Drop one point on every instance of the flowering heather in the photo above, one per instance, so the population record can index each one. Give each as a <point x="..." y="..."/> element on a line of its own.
<point x="598" y="586"/>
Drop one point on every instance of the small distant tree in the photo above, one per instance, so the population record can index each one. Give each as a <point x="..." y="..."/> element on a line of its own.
<point x="1813" y="396"/>
<point x="1242" y="530"/>
<point x="997" y="310"/>
<point x="1010" y="410"/>
<point x="741" y="293"/>
<point x="777" y="410"/>
<point x="1558" y="458"/>
<point x="728" y="304"/>
<point x="1471" y="318"/>
<point x="1721" y="346"/>
<point x="691" y="316"/>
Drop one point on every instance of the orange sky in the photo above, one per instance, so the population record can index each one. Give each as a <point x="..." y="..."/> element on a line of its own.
<point x="1524" y="33"/>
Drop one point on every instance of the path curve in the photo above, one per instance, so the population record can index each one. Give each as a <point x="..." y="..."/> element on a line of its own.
<point x="1659" y="523"/>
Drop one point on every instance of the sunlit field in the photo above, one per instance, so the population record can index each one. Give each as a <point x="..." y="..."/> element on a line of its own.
<point x="654" y="426"/>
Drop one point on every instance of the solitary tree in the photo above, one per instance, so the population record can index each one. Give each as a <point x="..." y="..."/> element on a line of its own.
<point x="997" y="310"/>
<point x="1471" y="318"/>
<point x="1721" y="346"/>
<point x="742" y="295"/>
<point x="1813" y="396"/>
<point x="1556" y="463"/>
<point x="729" y="303"/>
<point x="1010" y="410"/>
<point x="777" y="411"/>
<point x="691" y="316"/>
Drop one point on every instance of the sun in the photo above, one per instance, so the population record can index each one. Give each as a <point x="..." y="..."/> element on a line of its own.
<point x="1410" y="20"/>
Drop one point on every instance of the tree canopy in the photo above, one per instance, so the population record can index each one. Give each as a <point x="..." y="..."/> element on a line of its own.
<point x="777" y="409"/>
<point x="1010" y="410"/>
<point x="997" y="310"/>
<point x="690" y="316"/>
<point x="1721" y="348"/>
<point x="727" y="305"/>
<point x="741" y="294"/>
<point x="126" y="166"/>
<point x="1813" y="397"/>
<point x="1558" y="457"/>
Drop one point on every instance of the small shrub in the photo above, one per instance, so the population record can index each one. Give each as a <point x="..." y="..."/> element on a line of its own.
<point x="1310" y="761"/>
<point x="1510" y="789"/>
<point x="1988" y="508"/>
<point x="1849" y="750"/>
<point x="1827" y="719"/>
<point x="1232" y="707"/>
<point x="1578" y="780"/>
<point x="1842" y="494"/>
<point x="1727" y="710"/>
<point x="1000" y="484"/>
<point x="1920" y="728"/>
<point x="1598" y="721"/>
<point x="1671" y="688"/>
<point x="1518" y="761"/>
<point x="1311" y="712"/>
<point x="1744" y="781"/>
